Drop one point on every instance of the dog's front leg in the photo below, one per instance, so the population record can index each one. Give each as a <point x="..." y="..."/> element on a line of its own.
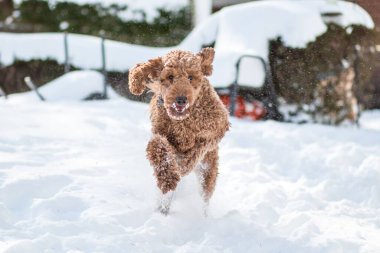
<point x="164" y="202"/>
<point x="162" y="158"/>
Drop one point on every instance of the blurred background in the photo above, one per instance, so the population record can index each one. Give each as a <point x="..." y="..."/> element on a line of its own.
<point x="330" y="76"/>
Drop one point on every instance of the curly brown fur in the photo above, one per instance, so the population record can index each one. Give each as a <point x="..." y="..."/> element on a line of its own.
<point x="208" y="172"/>
<point x="185" y="135"/>
<point x="161" y="156"/>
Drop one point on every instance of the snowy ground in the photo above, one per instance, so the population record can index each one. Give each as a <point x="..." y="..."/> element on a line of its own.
<point x="74" y="178"/>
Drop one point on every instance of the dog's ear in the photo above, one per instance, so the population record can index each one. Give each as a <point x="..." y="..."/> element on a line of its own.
<point x="144" y="73"/>
<point x="207" y="56"/>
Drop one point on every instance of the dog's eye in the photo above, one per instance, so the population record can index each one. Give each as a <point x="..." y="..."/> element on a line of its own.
<point x="190" y="77"/>
<point x="171" y="77"/>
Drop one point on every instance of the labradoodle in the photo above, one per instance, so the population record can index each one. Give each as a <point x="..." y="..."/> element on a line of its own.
<point x="188" y="118"/>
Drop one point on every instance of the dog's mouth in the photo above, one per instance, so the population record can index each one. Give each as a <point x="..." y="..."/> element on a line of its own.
<point x="180" y="108"/>
<point x="179" y="112"/>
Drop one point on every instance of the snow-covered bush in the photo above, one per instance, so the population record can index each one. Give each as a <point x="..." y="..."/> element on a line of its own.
<point x="6" y="8"/>
<point x="315" y="78"/>
<point x="335" y="99"/>
<point x="41" y="72"/>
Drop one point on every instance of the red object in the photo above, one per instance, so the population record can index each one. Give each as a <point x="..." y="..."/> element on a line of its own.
<point x="254" y="110"/>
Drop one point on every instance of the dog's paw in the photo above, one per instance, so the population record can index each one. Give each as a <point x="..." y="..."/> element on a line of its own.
<point x="167" y="180"/>
<point x="164" y="202"/>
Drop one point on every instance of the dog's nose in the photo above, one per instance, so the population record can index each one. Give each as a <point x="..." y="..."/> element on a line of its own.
<point x="181" y="100"/>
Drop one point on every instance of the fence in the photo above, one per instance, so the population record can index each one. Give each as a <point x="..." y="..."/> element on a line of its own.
<point x="43" y="68"/>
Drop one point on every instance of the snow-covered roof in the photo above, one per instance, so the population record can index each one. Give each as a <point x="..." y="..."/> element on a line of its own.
<point x="237" y="30"/>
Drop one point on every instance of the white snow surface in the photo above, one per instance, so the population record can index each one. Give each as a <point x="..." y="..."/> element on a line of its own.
<point x="74" y="179"/>
<point x="237" y="30"/>
<point x="73" y="86"/>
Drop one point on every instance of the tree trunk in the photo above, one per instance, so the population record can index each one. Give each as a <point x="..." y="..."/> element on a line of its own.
<point x="6" y="8"/>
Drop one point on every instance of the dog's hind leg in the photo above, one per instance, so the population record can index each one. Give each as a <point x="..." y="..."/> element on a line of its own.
<point x="162" y="157"/>
<point x="207" y="172"/>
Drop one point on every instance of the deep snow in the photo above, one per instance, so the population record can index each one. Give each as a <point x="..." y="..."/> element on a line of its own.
<point x="74" y="178"/>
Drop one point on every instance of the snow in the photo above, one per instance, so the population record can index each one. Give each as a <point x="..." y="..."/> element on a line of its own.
<point x="297" y="22"/>
<point x="74" y="179"/>
<point x="370" y="119"/>
<point x="351" y="13"/>
<point x="73" y="86"/>
<point x="84" y="50"/>
<point x="202" y="10"/>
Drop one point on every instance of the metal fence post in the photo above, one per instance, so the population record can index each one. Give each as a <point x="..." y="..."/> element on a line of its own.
<point x="33" y="87"/>
<point x="104" y="67"/>
<point x="234" y="90"/>
<point x="2" y="93"/>
<point x="67" y="63"/>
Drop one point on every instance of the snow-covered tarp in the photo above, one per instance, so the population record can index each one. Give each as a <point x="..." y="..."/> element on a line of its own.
<point x="74" y="179"/>
<point x="236" y="30"/>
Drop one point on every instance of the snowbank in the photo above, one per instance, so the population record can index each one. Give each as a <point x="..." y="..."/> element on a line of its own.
<point x="237" y="30"/>
<point x="74" y="178"/>
<point x="73" y="86"/>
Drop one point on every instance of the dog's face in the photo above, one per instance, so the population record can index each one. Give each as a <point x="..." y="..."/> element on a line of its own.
<point x="176" y="77"/>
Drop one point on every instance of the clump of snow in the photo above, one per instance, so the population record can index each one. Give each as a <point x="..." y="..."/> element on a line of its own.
<point x="73" y="86"/>
<point x="74" y="178"/>
<point x="370" y="119"/>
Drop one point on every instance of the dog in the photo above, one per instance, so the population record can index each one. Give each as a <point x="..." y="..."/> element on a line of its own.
<point x="188" y="119"/>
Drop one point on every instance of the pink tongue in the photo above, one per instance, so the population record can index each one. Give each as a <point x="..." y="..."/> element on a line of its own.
<point x="180" y="108"/>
